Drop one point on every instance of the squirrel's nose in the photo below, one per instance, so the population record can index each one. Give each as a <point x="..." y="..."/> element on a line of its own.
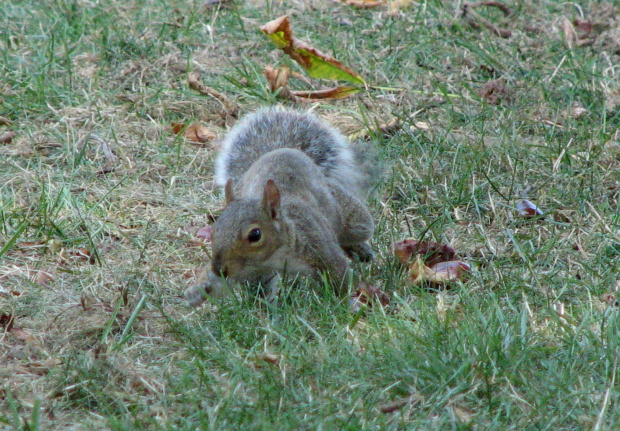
<point x="217" y="267"/>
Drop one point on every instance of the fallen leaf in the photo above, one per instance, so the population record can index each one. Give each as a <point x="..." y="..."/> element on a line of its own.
<point x="432" y="252"/>
<point x="528" y="210"/>
<point x="328" y="94"/>
<point x="438" y="274"/>
<point x="278" y="79"/>
<point x="43" y="278"/>
<point x="7" y="137"/>
<point x="316" y="63"/>
<point x="364" y="4"/>
<point x="366" y="295"/>
<point x="445" y="272"/>
<point x="198" y="133"/>
<point x="5" y="121"/>
<point x="204" y="233"/>
<point x="176" y="128"/>
<point x="495" y="92"/>
<point x="6" y="321"/>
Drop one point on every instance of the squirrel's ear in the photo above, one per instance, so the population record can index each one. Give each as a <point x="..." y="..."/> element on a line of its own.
<point x="228" y="192"/>
<point x="271" y="199"/>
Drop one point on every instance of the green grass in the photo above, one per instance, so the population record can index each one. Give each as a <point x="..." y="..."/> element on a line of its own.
<point x="95" y="252"/>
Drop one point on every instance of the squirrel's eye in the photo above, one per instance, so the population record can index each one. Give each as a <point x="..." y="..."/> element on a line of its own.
<point x="254" y="235"/>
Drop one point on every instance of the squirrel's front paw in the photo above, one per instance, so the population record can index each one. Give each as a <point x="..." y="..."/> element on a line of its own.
<point x="363" y="251"/>
<point x="196" y="295"/>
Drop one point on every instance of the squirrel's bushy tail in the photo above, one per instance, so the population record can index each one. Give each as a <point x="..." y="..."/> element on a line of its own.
<point x="273" y="128"/>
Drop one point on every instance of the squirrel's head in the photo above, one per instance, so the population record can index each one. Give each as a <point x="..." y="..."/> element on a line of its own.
<point x="247" y="233"/>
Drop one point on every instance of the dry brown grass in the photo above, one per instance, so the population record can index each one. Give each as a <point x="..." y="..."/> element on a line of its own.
<point x="99" y="223"/>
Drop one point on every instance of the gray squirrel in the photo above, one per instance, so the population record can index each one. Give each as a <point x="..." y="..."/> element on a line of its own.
<point x="294" y="192"/>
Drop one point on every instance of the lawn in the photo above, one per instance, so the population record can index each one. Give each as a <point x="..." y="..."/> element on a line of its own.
<point x="103" y="194"/>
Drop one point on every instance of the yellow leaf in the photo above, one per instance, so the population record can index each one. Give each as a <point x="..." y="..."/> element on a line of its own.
<point x="316" y="63"/>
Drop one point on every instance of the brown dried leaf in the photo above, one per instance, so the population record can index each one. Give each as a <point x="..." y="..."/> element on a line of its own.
<point x="43" y="278"/>
<point x="366" y="295"/>
<point x="7" y="137"/>
<point x="496" y="92"/>
<point x="6" y="321"/>
<point x="528" y="210"/>
<point x="364" y="4"/>
<point x="431" y="252"/>
<point x="445" y="272"/>
<point x="204" y="233"/>
<point x="177" y="128"/>
<point x="198" y="133"/>
<point x="278" y="79"/>
<point x="5" y="121"/>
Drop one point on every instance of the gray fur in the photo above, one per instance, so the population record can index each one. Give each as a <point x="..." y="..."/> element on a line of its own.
<point x="273" y="128"/>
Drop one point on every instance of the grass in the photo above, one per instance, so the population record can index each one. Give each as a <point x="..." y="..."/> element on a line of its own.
<point x="95" y="251"/>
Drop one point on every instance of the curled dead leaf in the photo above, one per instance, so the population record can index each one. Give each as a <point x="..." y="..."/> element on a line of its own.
<point x="198" y="133"/>
<point x="316" y="63"/>
<point x="445" y="272"/>
<point x="528" y="210"/>
<point x="431" y="252"/>
<point x="366" y="295"/>
<point x="204" y="233"/>
<point x="277" y="79"/>
<point x="7" y="137"/>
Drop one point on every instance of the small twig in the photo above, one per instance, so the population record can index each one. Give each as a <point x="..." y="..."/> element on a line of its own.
<point x="193" y="79"/>
<point x="501" y="6"/>
<point x="399" y="404"/>
<point x="471" y="17"/>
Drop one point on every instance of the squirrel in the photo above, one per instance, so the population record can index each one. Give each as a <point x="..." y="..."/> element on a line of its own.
<point x="295" y="204"/>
